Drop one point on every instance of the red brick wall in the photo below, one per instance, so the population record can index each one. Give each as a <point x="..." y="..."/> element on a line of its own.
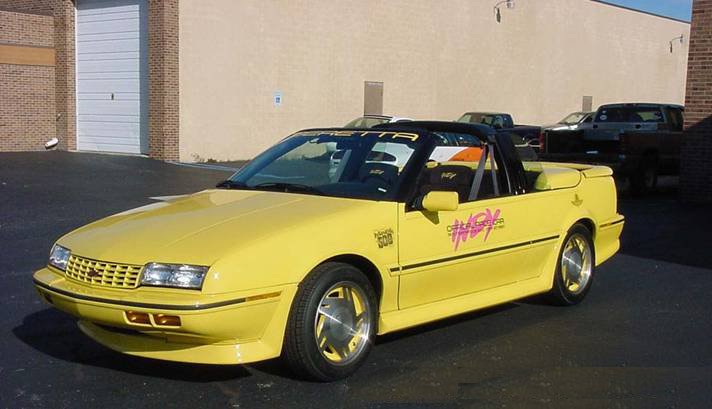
<point x="163" y="95"/>
<point x="27" y="109"/>
<point x="28" y="6"/>
<point x="696" y="165"/>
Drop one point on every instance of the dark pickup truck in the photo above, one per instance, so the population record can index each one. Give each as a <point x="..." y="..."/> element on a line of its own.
<point x="639" y="141"/>
<point x="504" y="122"/>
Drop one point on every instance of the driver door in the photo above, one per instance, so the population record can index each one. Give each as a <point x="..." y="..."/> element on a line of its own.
<point x="474" y="248"/>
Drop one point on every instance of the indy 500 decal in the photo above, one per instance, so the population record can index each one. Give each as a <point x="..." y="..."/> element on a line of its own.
<point x="486" y="221"/>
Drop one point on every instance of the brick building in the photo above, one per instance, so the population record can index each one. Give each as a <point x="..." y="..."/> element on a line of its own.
<point x="221" y="79"/>
<point x="696" y="166"/>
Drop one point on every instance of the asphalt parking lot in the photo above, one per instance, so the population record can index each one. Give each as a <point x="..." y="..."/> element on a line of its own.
<point x="642" y="338"/>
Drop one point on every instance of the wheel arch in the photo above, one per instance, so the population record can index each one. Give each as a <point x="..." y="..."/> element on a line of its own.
<point x="366" y="266"/>
<point x="589" y="224"/>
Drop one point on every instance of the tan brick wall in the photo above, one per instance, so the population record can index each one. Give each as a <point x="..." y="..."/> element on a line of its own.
<point x="65" y="73"/>
<point x="26" y="29"/>
<point x="696" y="165"/>
<point x="27" y="92"/>
<point x="163" y="79"/>
<point x="28" y="6"/>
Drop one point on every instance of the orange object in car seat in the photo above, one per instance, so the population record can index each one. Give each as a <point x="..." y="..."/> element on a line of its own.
<point x="471" y="154"/>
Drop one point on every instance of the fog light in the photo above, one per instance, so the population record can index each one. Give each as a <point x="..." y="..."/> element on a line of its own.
<point x="138" y="318"/>
<point x="166" y="320"/>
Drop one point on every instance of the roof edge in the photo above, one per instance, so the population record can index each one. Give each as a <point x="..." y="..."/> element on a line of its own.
<point x="608" y="3"/>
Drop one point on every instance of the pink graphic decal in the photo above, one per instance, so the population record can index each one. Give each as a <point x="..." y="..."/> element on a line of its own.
<point x="485" y="221"/>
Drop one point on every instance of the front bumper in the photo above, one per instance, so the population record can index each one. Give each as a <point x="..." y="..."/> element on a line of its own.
<point x="230" y="328"/>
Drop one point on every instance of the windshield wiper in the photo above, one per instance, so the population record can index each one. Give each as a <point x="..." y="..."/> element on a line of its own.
<point x="231" y="184"/>
<point x="287" y="187"/>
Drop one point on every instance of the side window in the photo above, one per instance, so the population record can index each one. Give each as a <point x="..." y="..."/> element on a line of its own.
<point x="508" y="121"/>
<point x="676" y="119"/>
<point x="498" y="121"/>
<point x="646" y="115"/>
<point x="610" y="115"/>
<point x="588" y="119"/>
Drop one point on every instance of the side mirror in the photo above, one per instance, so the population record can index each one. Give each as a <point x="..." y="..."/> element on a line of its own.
<point x="437" y="201"/>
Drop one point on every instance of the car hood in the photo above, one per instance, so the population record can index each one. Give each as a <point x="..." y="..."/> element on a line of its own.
<point x="557" y="127"/>
<point x="200" y="228"/>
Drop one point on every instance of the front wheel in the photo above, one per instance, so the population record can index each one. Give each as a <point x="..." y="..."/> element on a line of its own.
<point x="331" y="324"/>
<point x="575" y="267"/>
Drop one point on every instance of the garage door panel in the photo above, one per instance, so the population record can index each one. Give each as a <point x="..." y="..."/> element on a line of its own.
<point x="101" y="146"/>
<point x="110" y="56"/>
<point x="109" y="107"/>
<point x="114" y="139"/>
<point x="99" y="66"/>
<point x="109" y="75"/>
<point x="87" y="118"/>
<point x="106" y="96"/>
<point x="92" y="7"/>
<point x="108" y="86"/>
<point x="112" y="77"/>
<point x="90" y="47"/>
<point x="110" y="36"/>
<point x="111" y="26"/>
<point x="113" y="16"/>
<point x="112" y="128"/>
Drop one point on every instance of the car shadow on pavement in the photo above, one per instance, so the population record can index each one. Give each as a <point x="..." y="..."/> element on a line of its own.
<point x="660" y="227"/>
<point x="56" y="334"/>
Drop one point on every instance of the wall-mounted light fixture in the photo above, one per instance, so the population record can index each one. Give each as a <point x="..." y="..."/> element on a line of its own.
<point x="497" y="12"/>
<point x="681" y="38"/>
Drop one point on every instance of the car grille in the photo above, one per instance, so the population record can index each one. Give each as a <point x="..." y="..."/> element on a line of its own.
<point x="103" y="273"/>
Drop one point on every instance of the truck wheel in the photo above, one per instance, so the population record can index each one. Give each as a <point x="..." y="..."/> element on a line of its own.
<point x="645" y="179"/>
<point x="331" y="324"/>
<point x="575" y="268"/>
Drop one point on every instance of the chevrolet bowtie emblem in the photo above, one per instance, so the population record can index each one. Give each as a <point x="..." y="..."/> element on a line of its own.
<point x="577" y="200"/>
<point x="93" y="273"/>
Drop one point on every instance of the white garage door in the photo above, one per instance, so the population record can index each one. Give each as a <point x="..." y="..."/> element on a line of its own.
<point x="112" y="75"/>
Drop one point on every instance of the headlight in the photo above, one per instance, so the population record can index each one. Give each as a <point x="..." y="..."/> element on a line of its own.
<point x="174" y="275"/>
<point x="59" y="256"/>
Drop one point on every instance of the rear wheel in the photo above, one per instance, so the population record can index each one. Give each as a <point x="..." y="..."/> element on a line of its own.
<point x="332" y="323"/>
<point x="575" y="267"/>
<point x="645" y="179"/>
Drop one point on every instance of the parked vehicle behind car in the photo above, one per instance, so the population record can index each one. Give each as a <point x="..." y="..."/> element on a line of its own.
<point x="638" y="140"/>
<point x="572" y="122"/>
<point x="368" y="121"/>
<point x="505" y="122"/>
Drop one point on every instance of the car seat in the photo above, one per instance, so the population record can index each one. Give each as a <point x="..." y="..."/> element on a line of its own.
<point x="448" y="178"/>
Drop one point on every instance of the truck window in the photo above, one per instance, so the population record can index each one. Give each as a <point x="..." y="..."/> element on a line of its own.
<point x="611" y="115"/>
<point x="676" y="119"/>
<point x="646" y="115"/>
<point x="630" y="114"/>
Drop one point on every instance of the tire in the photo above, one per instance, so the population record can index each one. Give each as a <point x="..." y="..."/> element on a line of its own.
<point x="570" y="286"/>
<point x="645" y="178"/>
<point x="331" y="324"/>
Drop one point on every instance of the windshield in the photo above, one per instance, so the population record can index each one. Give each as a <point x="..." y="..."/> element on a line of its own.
<point x="356" y="164"/>
<point x="366" y="122"/>
<point x="573" y="119"/>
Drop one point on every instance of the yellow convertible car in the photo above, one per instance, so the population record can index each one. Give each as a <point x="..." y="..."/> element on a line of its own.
<point x="307" y="257"/>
